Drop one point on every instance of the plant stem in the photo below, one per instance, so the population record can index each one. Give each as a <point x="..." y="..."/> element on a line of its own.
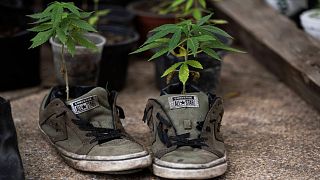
<point x="64" y="71"/>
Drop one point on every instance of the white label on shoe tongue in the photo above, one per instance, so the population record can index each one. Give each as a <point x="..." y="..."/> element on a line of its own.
<point x="183" y="101"/>
<point x="85" y="104"/>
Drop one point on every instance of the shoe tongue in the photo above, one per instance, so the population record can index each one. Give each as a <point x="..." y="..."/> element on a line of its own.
<point x="94" y="107"/>
<point x="186" y="111"/>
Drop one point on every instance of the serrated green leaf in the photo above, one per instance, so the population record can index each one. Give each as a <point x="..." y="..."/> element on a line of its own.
<point x="41" y="20"/>
<point x="71" y="45"/>
<point x="193" y="45"/>
<point x="184" y="73"/>
<point x="102" y="12"/>
<point x="71" y="7"/>
<point x="83" y="25"/>
<point x="84" y="15"/>
<point x="211" y="53"/>
<point x="204" y="20"/>
<point x="79" y="38"/>
<point x="159" y="53"/>
<point x="41" y="27"/>
<point x="57" y="15"/>
<point x="159" y="34"/>
<point x="195" y="64"/>
<point x="197" y="14"/>
<point x="175" y="39"/>
<point x="171" y="69"/>
<point x="61" y="35"/>
<point x="38" y="15"/>
<point x="147" y="47"/>
<point x="219" y="45"/>
<point x="41" y="38"/>
<point x="164" y="27"/>
<point x="205" y="38"/>
<point x="216" y="30"/>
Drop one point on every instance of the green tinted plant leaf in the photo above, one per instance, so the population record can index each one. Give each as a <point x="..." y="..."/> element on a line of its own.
<point x="159" y="53"/>
<point x="195" y="64"/>
<point x="184" y="73"/>
<point x="177" y="3"/>
<point x="78" y="37"/>
<point x="216" y="30"/>
<point x="71" y="44"/>
<point x="203" y="3"/>
<point x="83" y="25"/>
<point x="171" y="69"/>
<point x="197" y="14"/>
<point x="85" y="15"/>
<point x="204" y="20"/>
<point x="61" y="35"/>
<point x="148" y="47"/>
<point x="193" y="45"/>
<point x="41" y="38"/>
<point x="41" y="27"/>
<point x="164" y="27"/>
<point x="175" y="39"/>
<point x="159" y="34"/>
<point x="71" y="7"/>
<point x="205" y="38"/>
<point x="211" y="53"/>
<point x="188" y="5"/>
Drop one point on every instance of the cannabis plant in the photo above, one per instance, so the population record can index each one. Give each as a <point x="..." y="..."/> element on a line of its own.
<point x="65" y="22"/>
<point x="186" y="40"/>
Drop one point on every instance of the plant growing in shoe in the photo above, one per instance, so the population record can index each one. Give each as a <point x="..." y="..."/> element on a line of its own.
<point x="186" y="40"/>
<point x="64" y="24"/>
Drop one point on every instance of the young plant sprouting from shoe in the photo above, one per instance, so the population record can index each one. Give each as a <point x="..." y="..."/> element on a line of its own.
<point x="186" y="40"/>
<point x="65" y="22"/>
<point x="195" y="9"/>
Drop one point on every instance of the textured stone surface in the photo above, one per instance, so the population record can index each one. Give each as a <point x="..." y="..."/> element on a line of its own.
<point x="270" y="133"/>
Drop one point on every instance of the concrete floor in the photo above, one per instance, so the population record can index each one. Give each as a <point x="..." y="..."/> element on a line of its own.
<point x="270" y="132"/>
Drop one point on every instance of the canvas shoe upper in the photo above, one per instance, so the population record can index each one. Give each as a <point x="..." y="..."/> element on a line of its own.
<point x="186" y="138"/>
<point x="87" y="131"/>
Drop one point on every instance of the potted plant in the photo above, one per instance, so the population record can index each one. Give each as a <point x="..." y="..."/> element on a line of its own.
<point x="153" y="13"/>
<point x="186" y="41"/>
<point x="310" y="21"/>
<point x="22" y="69"/>
<point x="77" y="52"/>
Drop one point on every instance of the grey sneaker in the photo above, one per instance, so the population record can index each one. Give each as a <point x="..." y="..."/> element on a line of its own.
<point x="186" y="139"/>
<point x="87" y="131"/>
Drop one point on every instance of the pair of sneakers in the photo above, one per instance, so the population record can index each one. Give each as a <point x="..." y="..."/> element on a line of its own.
<point x="185" y="132"/>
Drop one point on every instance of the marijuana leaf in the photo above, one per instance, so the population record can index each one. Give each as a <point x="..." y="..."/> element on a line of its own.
<point x="64" y="21"/>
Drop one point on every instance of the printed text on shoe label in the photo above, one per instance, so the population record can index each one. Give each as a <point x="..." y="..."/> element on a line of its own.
<point x="183" y="101"/>
<point x="85" y="104"/>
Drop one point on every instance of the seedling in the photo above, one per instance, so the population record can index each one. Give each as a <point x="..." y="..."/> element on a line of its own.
<point x="94" y="19"/>
<point x="186" y="40"/>
<point x="65" y="22"/>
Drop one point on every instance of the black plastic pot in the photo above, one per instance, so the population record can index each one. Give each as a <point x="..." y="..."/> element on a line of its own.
<point x="114" y="61"/>
<point x="209" y="76"/>
<point x="20" y="66"/>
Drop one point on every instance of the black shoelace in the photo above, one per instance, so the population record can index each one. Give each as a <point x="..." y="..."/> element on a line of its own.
<point x="179" y="140"/>
<point x="100" y="134"/>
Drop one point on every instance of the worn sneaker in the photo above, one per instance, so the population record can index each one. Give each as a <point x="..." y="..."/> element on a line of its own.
<point x="186" y="139"/>
<point x="88" y="133"/>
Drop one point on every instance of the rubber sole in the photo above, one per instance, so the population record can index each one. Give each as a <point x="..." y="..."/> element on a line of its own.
<point x="114" y="165"/>
<point x="179" y="173"/>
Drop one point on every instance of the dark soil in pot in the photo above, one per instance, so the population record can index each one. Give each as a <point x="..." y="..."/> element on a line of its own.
<point x="209" y="76"/>
<point x="20" y="66"/>
<point x="114" y="63"/>
<point x="146" y="19"/>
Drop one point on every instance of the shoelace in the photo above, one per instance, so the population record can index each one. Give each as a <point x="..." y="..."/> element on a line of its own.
<point x="100" y="134"/>
<point x="179" y="140"/>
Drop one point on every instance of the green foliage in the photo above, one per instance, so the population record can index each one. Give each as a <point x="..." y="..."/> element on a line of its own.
<point x="94" y="19"/>
<point x="65" y="22"/>
<point x="186" y="40"/>
<point x="185" y="8"/>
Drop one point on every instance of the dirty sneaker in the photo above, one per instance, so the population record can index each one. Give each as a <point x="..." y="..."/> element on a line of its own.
<point x="186" y="139"/>
<point x="87" y="131"/>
